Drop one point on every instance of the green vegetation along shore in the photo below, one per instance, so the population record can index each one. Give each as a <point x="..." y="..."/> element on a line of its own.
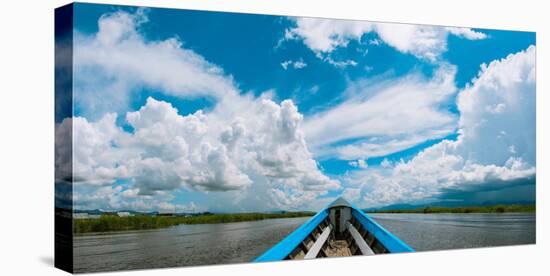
<point x="109" y="223"/>
<point x="513" y="208"/>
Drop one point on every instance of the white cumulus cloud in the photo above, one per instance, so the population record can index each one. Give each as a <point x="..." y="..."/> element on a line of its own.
<point x="167" y="152"/>
<point x="117" y="61"/>
<point x="360" y="163"/>
<point x="234" y="155"/>
<point x="480" y="159"/>
<point x="326" y="35"/>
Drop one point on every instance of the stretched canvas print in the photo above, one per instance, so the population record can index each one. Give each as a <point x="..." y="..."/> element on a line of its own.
<point x="188" y="138"/>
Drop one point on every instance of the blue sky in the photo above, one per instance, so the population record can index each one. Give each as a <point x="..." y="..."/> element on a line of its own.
<point x="356" y="104"/>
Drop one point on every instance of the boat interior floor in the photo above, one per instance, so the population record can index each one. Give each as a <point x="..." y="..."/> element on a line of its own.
<point x="338" y="248"/>
<point x="324" y="242"/>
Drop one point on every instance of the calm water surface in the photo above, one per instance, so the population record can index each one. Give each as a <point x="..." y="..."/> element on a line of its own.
<point x="182" y="245"/>
<point x="453" y="231"/>
<point x="243" y="241"/>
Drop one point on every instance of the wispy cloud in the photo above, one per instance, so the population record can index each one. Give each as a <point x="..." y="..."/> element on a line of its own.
<point x="247" y="153"/>
<point x="480" y="160"/>
<point x="117" y="61"/>
<point x="323" y="36"/>
<point x="251" y="152"/>
<point x="398" y="113"/>
<point x="298" y="64"/>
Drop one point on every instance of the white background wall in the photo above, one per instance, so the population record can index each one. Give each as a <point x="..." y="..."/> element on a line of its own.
<point x="26" y="135"/>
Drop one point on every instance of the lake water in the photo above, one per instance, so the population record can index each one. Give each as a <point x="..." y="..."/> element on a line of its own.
<point x="453" y="231"/>
<point x="182" y="245"/>
<point x="205" y="244"/>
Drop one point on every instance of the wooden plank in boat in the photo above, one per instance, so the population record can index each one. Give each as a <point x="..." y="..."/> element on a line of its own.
<point x="314" y="250"/>
<point x="363" y="246"/>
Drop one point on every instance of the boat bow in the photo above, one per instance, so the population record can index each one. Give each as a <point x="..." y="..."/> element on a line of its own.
<point x="340" y="229"/>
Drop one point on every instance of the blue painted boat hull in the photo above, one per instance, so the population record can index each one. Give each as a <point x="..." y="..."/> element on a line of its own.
<point x="341" y="219"/>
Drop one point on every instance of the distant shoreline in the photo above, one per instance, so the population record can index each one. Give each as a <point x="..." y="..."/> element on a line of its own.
<point x="108" y="223"/>
<point x="512" y="208"/>
<point x="113" y="223"/>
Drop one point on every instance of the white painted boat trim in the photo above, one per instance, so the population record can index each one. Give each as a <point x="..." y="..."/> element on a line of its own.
<point x="363" y="246"/>
<point x="316" y="248"/>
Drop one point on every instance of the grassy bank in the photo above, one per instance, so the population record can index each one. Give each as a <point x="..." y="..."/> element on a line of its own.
<point x="476" y="209"/>
<point x="107" y="223"/>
